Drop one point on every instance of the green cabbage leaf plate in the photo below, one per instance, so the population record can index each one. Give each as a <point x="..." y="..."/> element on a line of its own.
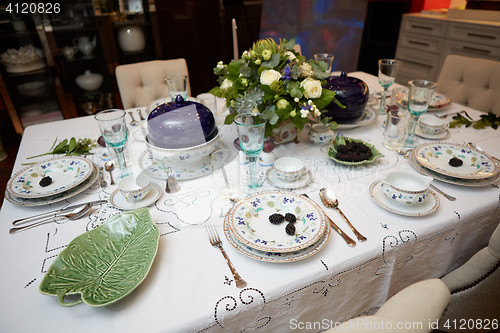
<point x="340" y="140"/>
<point x="105" y="264"/>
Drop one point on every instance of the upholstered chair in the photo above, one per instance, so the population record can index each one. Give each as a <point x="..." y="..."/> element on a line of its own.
<point x="422" y="302"/>
<point x="471" y="82"/>
<point x="475" y="291"/>
<point x="141" y="83"/>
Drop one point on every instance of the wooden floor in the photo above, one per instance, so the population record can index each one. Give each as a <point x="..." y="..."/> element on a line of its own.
<point x="10" y="141"/>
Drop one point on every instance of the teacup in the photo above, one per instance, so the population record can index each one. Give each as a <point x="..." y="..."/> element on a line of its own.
<point x="406" y="188"/>
<point x="320" y="134"/>
<point x="69" y="51"/>
<point x="134" y="189"/>
<point x="429" y="124"/>
<point x="289" y="169"/>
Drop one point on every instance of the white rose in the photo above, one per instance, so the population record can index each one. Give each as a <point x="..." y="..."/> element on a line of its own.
<point x="290" y="55"/>
<point x="306" y="69"/>
<point x="226" y="84"/>
<point x="269" y="76"/>
<point x="312" y="88"/>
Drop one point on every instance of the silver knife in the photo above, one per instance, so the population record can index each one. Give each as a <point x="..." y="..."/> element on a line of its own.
<point x="55" y="212"/>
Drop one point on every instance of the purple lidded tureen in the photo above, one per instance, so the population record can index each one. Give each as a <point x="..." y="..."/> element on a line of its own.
<point x="180" y="124"/>
<point x="352" y="92"/>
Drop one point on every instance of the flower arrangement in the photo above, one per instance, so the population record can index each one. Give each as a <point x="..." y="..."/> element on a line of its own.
<point x="275" y="80"/>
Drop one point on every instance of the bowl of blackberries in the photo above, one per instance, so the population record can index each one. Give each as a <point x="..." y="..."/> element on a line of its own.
<point x="347" y="151"/>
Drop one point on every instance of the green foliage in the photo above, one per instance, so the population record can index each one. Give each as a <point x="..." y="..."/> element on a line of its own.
<point x="486" y="120"/>
<point x="80" y="147"/>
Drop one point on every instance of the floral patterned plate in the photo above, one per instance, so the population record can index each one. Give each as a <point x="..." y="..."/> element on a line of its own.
<point x="277" y="257"/>
<point x="436" y="157"/>
<point x="368" y="116"/>
<point x="66" y="173"/>
<point x="249" y="222"/>
<point x="58" y="197"/>
<point x="451" y="180"/>
<point x="438" y="101"/>
<point x="429" y="206"/>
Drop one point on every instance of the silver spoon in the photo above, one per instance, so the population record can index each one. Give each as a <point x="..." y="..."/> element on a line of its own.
<point x="140" y="114"/>
<point x="75" y="214"/>
<point x="109" y="166"/>
<point x="329" y="200"/>
<point x="133" y="122"/>
<point x="103" y="182"/>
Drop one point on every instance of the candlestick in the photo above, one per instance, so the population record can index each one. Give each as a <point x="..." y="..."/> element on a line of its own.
<point x="235" y="41"/>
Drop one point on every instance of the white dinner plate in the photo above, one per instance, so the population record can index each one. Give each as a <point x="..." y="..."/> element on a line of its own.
<point x="429" y="206"/>
<point x="438" y="101"/>
<point x="368" y="116"/>
<point x="277" y="257"/>
<point x="66" y="172"/>
<point x="302" y="181"/>
<point x="439" y="136"/>
<point x="451" y="180"/>
<point x="117" y="199"/>
<point x="436" y="157"/>
<point x="58" y="197"/>
<point x="248" y="221"/>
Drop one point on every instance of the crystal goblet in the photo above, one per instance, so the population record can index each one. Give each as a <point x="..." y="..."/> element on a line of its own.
<point x="251" y="128"/>
<point x="114" y="132"/>
<point x="387" y="71"/>
<point x="177" y="85"/>
<point x="419" y="96"/>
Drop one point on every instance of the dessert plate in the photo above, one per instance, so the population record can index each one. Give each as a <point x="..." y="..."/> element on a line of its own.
<point x="66" y="173"/>
<point x="277" y="257"/>
<point x="438" y="101"/>
<point x="58" y="197"/>
<point x="439" y="136"/>
<point x="451" y="180"/>
<point x="274" y="180"/>
<point x="426" y="208"/>
<point x="368" y="116"/>
<point x="249" y="222"/>
<point x="117" y="199"/>
<point x="436" y="157"/>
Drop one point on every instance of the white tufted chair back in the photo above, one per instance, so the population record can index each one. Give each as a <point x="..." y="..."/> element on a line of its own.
<point x="471" y="82"/>
<point x="144" y="82"/>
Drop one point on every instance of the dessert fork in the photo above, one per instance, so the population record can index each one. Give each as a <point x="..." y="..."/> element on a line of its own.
<point x="214" y="239"/>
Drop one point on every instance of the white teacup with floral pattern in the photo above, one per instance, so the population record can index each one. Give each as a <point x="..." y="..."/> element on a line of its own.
<point x="134" y="189"/>
<point x="289" y="169"/>
<point x="406" y="188"/>
<point x="429" y="124"/>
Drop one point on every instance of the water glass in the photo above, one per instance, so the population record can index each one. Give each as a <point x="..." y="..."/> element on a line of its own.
<point x="251" y="128"/>
<point x="419" y="96"/>
<point x="395" y="125"/>
<point x="226" y="173"/>
<point x="387" y="71"/>
<point x="114" y="132"/>
<point x="326" y="57"/>
<point x="177" y="85"/>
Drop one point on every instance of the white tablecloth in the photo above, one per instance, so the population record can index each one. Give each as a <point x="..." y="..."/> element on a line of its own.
<point x="190" y="287"/>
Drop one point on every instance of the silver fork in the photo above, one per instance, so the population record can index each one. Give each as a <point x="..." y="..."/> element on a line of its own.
<point x="403" y="167"/>
<point x="214" y="239"/>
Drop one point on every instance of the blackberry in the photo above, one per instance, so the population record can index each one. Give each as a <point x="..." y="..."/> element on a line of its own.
<point x="45" y="181"/>
<point x="455" y="162"/>
<point x="290" y="217"/>
<point x="290" y="229"/>
<point x="353" y="151"/>
<point x="276" y="218"/>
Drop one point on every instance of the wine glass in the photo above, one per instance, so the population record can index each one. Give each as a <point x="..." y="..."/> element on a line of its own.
<point x="387" y="71"/>
<point x="251" y="128"/>
<point x="114" y="132"/>
<point x="419" y="96"/>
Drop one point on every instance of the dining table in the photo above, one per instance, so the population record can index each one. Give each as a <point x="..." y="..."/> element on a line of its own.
<point x="189" y="287"/>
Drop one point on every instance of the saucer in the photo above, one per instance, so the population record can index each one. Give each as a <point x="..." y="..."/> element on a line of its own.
<point x="137" y="135"/>
<point x="369" y="116"/>
<point x="117" y="199"/>
<point x="303" y="180"/>
<point x="428" y="207"/>
<point x="438" y="136"/>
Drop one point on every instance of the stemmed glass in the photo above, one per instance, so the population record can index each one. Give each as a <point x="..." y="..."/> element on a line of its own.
<point x="387" y="71"/>
<point x="251" y="128"/>
<point x="177" y="85"/>
<point x="419" y="96"/>
<point x="114" y="131"/>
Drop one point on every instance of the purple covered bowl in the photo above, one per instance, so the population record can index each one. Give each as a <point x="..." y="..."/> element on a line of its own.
<point x="180" y="124"/>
